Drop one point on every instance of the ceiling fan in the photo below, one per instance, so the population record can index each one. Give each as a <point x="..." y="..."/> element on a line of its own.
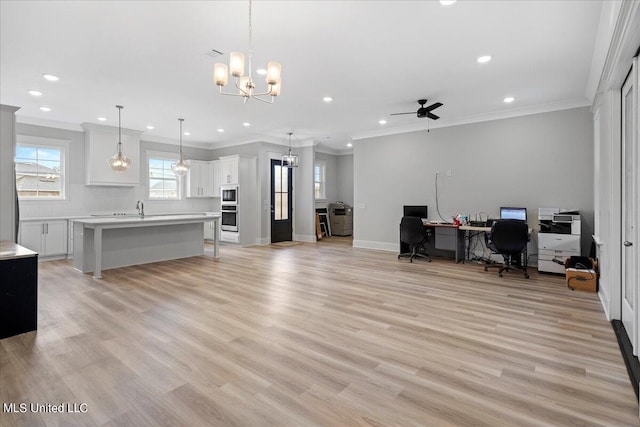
<point x="424" y="111"/>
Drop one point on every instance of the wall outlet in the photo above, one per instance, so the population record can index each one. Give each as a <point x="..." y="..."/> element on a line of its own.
<point x="448" y="172"/>
<point x="361" y="205"/>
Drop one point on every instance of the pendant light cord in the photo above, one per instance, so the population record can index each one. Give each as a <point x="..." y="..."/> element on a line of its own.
<point x="250" y="40"/>
<point x="181" y="120"/>
<point x="119" y="107"/>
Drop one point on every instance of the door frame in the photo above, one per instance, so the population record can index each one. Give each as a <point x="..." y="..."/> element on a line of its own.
<point x="629" y="315"/>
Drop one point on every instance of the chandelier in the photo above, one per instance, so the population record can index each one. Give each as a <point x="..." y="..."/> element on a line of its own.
<point x="290" y="160"/>
<point x="119" y="162"/>
<point x="180" y="168"/>
<point x="245" y="84"/>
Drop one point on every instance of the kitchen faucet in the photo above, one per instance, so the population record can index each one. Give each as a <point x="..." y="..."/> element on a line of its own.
<point x="140" y="208"/>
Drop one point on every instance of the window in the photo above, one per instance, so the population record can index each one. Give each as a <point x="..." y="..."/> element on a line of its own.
<point x="163" y="183"/>
<point x="40" y="171"/>
<point x="319" y="180"/>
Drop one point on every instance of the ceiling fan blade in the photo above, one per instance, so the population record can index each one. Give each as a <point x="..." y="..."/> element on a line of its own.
<point x="399" y="114"/>
<point x="434" y="106"/>
<point x="432" y="116"/>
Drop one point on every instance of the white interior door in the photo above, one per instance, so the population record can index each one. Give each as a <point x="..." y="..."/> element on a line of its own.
<point x="629" y="205"/>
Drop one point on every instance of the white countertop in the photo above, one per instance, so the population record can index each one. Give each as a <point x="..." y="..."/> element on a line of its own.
<point x="112" y="216"/>
<point x="10" y="250"/>
<point x="146" y="220"/>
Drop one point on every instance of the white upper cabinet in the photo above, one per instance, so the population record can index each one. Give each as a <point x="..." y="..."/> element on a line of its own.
<point x="217" y="177"/>
<point x="200" y="179"/>
<point x="230" y="169"/>
<point x="101" y="143"/>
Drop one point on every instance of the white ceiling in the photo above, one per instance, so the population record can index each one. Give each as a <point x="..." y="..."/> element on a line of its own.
<point x="373" y="57"/>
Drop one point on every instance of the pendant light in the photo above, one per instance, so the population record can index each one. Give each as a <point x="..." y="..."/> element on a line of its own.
<point x="244" y="83"/>
<point x="119" y="162"/>
<point x="290" y="160"/>
<point x="180" y="168"/>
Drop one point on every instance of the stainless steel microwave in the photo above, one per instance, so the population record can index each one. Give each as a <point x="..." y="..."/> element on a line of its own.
<point x="229" y="195"/>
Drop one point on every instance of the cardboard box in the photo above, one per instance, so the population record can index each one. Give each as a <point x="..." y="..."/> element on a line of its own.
<point x="582" y="280"/>
<point x="582" y="274"/>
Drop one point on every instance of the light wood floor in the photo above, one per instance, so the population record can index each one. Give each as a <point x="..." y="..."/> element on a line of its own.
<point x="315" y="334"/>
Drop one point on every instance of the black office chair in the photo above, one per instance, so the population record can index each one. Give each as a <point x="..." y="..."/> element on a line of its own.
<point x="412" y="233"/>
<point x="509" y="238"/>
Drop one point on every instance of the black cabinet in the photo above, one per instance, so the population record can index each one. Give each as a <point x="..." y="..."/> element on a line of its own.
<point x="18" y="295"/>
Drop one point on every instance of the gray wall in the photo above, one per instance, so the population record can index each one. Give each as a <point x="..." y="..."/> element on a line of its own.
<point x="345" y="178"/>
<point x="304" y="215"/>
<point x="541" y="160"/>
<point x="7" y="173"/>
<point x="331" y="178"/>
<point x="83" y="200"/>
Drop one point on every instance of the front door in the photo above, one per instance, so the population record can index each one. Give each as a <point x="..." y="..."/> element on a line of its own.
<point x="281" y="202"/>
<point x="629" y="205"/>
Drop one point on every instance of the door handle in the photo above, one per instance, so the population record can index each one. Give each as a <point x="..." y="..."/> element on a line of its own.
<point x="628" y="243"/>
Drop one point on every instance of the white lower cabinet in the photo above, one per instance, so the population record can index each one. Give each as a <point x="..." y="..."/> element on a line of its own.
<point x="48" y="238"/>
<point x="229" y="236"/>
<point x="209" y="229"/>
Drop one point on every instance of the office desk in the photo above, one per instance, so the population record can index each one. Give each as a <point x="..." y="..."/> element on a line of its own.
<point x="445" y="240"/>
<point x="468" y="234"/>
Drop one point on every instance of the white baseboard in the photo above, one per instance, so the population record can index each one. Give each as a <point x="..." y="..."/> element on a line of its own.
<point x="379" y="246"/>
<point x="308" y="238"/>
<point x="605" y="303"/>
<point x="262" y="241"/>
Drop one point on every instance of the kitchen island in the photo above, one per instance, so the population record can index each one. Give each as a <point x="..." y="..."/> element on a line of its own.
<point x="105" y="243"/>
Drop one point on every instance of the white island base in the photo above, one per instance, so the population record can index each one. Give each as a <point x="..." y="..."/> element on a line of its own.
<point x="101" y="244"/>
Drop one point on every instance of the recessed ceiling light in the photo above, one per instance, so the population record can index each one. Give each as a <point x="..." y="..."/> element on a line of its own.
<point x="484" y="59"/>
<point x="50" y="77"/>
<point x="246" y="124"/>
<point x="102" y="119"/>
<point x="349" y="145"/>
<point x="327" y="99"/>
<point x="35" y="93"/>
<point x="187" y="133"/>
<point x="509" y="99"/>
<point x="45" y="109"/>
<point x="261" y="71"/>
<point x="151" y="127"/>
<point x="447" y="2"/>
<point x="220" y="130"/>
<point x="382" y="122"/>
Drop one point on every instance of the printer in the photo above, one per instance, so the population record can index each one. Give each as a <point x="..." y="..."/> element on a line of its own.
<point x="558" y="238"/>
<point x="559" y="221"/>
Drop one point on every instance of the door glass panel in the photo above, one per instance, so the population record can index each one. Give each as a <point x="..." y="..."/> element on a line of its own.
<point x="281" y="195"/>
<point x="277" y="173"/>
<point x="278" y="207"/>
<point x="285" y="180"/>
<point x="285" y="205"/>
<point x="628" y="193"/>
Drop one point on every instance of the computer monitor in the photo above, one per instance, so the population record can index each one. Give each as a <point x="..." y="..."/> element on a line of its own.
<point x="513" y="213"/>
<point x="419" y="211"/>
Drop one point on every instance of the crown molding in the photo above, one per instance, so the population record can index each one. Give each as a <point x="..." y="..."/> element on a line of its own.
<point x="623" y="47"/>
<point x="9" y="108"/>
<point x="484" y="117"/>
<point x="176" y="142"/>
<point x="26" y="120"/>
<point x="92" y="127"/>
